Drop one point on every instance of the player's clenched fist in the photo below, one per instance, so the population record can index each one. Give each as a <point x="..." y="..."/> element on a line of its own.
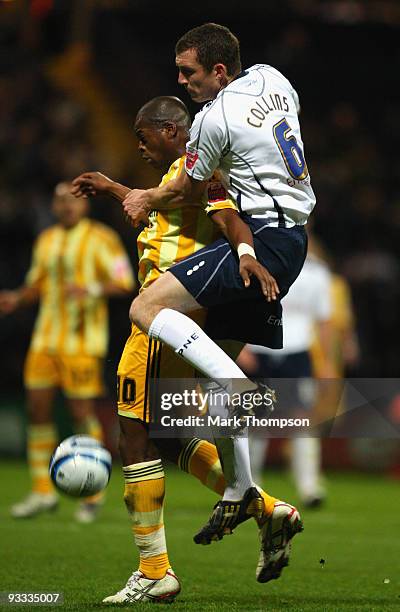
<point x="137" y="206"/>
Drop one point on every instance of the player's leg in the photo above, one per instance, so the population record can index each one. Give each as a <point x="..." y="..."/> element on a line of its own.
<point x="306" y="469"/>
<point x="143" y="475"/>
<point x="285" y="521"/>
<point x="40" y="378"/>
<point x="82" y="382"/>
<point x="159" y="312"/>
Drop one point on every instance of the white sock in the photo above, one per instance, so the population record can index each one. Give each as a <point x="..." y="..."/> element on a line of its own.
<point x="189" y="340"/>
<point x="235" y="461"/>
<point x="306" y="459"/>
<point x="233" y="451"/>
<point x="258" y="449"/>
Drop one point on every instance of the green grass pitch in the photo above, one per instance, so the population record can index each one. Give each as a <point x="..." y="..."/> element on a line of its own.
<point x="357" y="534"/>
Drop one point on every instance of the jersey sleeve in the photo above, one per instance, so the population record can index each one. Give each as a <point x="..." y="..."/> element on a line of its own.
<point x="36" y="272"/>
<point x="113" y="264"/>
<point x="322" y="303"/>
<point x="296" y="100"/>
<point x="208" y="142"/>
<point x="217" y="197"/>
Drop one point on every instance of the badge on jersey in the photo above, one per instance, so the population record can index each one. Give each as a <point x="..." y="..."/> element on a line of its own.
<point x="191" y="159"/>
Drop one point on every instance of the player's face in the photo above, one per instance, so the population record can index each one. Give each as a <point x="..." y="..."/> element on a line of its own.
<point x="69" y="210"/>
<point x="200" y="84"/>
<point x="152" y="143"/>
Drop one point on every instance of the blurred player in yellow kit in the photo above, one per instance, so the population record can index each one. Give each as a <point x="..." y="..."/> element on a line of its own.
<point x="173" y="234"/>
<point x="77" y="264"/>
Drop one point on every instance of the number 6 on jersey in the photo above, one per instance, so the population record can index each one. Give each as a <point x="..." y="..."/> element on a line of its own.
<point x="291" y="151"/>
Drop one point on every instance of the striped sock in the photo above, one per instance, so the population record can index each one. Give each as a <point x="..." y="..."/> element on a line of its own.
<point x="200" y="458"/>
<point x="144" y="499"/>
<point x="41" y="443"/>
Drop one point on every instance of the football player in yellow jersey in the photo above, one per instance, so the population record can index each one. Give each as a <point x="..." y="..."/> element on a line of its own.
<point x="173" y="234"/>
<point x="77" y="264"/>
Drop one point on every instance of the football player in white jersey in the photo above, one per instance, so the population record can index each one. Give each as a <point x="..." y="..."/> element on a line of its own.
<point x="249" y="131"/>
<point x="306" y="309"/>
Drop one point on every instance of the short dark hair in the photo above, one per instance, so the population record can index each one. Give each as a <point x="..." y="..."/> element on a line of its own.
<point x="214" y="44"/>
<point x="164" y="109"/>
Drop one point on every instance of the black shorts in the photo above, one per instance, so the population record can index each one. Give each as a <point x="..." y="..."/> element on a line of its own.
<point x="212" y="277"/>
<point x="291" y="377"/>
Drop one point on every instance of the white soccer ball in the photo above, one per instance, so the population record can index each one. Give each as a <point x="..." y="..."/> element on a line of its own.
<point x="80" y="466"/>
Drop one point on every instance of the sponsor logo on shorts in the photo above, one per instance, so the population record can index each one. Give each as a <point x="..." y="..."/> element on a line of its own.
<point x="195" y="268"/>
<point x="273" y="320"/>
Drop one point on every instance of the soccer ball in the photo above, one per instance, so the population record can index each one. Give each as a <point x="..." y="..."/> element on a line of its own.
<point x="80" y="466"/>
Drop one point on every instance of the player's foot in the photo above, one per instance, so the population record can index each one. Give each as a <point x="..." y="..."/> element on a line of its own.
<point x="87" y="512"/>
<point x="229" y="514"/>
<point x="313" y="501"/>
<point x="276" y="535"/>
<point x="35" y="503"/>
<point x="144" y="590"/>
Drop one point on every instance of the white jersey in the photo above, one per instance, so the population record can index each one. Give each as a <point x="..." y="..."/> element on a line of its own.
<point x="251" y="134"/>
<point x="308" y="302"/>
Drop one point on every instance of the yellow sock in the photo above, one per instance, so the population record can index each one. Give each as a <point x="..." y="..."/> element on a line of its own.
<point x="144" y="499"/>
<point x="92" y="427"/>
<point x="200" y="458"/>
<point x="42" y="441"/>
<point x="269" y="502"/>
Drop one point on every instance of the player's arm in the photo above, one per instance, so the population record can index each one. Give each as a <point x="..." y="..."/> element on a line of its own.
<point x="95" y="183"/>
<point x="325" y="334"/>
<point x="29" y="292"/>
<point x="97" y="290"/>
<point x="240" y="237"/>
<point x="184" y="190"/>
<point x="11" y="300"/>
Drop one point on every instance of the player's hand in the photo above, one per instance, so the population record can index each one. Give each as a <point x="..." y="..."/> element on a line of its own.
<point x="248" y="267"/>
<point x="137" y="206"/>
<point x="9" y="301"/>
<point x="91" y="184"/>
<point x="75" y="291"/>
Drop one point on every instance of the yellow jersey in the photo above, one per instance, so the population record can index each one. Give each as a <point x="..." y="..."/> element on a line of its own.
<point x="85" y="254"/>
<point x="178" y="231"/>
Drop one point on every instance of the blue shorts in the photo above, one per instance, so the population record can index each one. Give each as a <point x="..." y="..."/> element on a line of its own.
<point x="278" y="365"/>
<point x="291" y="377"/>
<point x="212" y="277"/>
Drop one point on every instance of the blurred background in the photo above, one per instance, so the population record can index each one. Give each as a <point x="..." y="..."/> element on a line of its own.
<point x="73" y="75"/>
